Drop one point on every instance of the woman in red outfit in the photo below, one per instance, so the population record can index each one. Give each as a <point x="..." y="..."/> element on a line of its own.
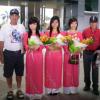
<point x="34" y="60"/>
<point x="53" y="60"/>
<point x="71" y="71"/>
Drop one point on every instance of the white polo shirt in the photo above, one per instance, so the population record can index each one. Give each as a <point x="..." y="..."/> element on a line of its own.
<point x="12" y="36"/>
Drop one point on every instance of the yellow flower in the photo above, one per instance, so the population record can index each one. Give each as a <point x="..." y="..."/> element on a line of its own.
<point x="47" y="40"/>
<point x="88" y="41"/>
<point x="44" y="38"/>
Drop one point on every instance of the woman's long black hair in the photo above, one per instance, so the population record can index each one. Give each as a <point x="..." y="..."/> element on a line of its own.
<point x="71" y="20"/>
<point x="31" y="21"/>
<point x="51" y="21"/>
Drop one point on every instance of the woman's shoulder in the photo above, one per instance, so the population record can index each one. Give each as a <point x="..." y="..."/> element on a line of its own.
<point x="68" y="32"/>
<point x="25" y="33"/>
<point x="47" y="32"/>
<point x="63" y="33"/>
<point x="41" y="33"/>
<point x="78" y="32"/>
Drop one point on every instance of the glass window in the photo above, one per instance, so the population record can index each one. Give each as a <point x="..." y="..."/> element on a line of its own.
<point x="91" y="5"/>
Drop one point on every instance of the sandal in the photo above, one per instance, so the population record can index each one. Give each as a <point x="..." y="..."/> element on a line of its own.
<point x="10" y="95"/>
<point x="20" y="94"/>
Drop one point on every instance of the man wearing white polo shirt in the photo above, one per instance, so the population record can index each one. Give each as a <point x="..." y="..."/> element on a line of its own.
<point x="11" y="36"/>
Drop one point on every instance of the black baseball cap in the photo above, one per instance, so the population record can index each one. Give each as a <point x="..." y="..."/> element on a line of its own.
<point x="93" y="19"/>
<point x="14" y="11"/>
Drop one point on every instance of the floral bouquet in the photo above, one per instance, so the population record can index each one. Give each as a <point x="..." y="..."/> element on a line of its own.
<point x="88" y="41"/>
<point x="33" y="40"/>
<point x="51" y="41"/>
<point x="47" y="40"/>
<point x="83" y="43"/>
<point x="76" y="46"/>
<point x="71" y="43"/>
<point x="61" y="40"/>
<point x="67" y="38"/>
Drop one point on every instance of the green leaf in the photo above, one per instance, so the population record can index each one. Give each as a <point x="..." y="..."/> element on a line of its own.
<point x="31" y="42"/>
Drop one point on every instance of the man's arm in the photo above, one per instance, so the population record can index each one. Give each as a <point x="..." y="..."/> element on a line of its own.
<point x="1" y="51"/>
<point x="1" y="43"/>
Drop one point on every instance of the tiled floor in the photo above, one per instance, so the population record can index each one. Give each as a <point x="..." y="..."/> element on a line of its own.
<point x="81" y="96"/>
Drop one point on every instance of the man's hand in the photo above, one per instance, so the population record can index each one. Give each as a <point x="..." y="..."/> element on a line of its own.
<point x="97" y="51"/>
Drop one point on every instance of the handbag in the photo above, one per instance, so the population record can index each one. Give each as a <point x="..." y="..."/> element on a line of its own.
<point x="74" y="59"/>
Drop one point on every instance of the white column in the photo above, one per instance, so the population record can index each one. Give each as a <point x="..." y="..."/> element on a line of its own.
<point x="26" y="16"/>
<point x="81" y="8"/>
<point x="61" y="17"/>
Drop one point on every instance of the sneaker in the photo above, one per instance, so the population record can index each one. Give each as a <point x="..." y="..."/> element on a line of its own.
<point x="95" y="92"/>
<point x="10" y="95"/>
<point x="49" y="94"/>
<point x="86" y="88"/>
<point x="20" y="94"/>
<point x="54" y="94"/>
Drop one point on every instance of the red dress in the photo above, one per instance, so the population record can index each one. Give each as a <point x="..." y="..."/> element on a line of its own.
<point x="53" y="68"/>
<point x="34" y="69"/>
<point x="71" y="71"/>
